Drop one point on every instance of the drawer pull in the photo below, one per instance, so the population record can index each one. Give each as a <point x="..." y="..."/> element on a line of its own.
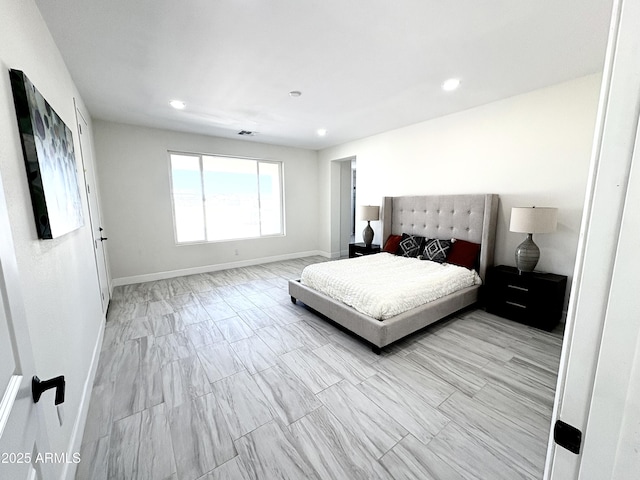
<point x="515" y="304"/>
<point x="516" y="287"/>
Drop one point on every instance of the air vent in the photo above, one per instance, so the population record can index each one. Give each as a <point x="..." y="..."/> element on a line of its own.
<point x="248" y="133"/>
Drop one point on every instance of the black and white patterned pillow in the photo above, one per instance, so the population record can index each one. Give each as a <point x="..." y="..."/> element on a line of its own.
<point x="410" y="245"/>
<point x="435" y="250"/>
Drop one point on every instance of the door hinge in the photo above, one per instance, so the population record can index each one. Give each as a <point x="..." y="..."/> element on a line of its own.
<point x="567" y="436"/>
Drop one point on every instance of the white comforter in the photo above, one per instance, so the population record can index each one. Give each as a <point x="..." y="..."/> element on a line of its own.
<point x="384" y="285"/>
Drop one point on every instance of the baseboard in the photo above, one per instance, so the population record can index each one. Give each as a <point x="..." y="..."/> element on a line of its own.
<point x="151" y="277"/>
<point x="69" y="469"/>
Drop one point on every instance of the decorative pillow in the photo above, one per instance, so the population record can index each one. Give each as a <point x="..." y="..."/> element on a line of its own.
<point x="391" y="245"/>
<point x="464" y="254"/>
<point x="435" y="250"/>
<point x="410" y="245"/>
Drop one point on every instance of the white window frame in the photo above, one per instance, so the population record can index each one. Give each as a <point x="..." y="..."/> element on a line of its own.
<point x="200" y="156"/>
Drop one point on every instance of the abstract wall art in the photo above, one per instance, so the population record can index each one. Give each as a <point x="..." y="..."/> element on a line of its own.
<point x="47" y="145"/>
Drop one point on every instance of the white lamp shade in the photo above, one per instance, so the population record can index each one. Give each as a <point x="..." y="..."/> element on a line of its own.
<point x="369" y="212"/>
<point x="533" y="219"/>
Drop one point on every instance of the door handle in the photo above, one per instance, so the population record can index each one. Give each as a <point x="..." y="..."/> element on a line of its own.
<point x="39" y="386"/>
<point x="567" y="436"/>
<point x="102" y="239"/>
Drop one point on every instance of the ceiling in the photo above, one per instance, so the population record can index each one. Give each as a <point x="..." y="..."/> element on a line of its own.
<point x="363" y="66"/>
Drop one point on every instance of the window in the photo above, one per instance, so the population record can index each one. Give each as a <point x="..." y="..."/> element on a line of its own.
<point x="222" y="198"/>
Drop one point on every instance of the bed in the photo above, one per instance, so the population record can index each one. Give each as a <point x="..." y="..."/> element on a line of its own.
<point x="472" y="218"/>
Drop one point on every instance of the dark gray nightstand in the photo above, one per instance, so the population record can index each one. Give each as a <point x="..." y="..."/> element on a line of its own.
<point x="533" y="298"/>
<point x="360" y="249"/>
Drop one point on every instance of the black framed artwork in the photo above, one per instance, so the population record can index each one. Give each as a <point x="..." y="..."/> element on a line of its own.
<point x="47" y="145"/>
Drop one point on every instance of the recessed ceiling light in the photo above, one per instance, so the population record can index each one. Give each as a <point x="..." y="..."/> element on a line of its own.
<point x="295" y="93"/>
<point x="321" y="132"/>
<point x="177" y="104"/>
<point x="451" y="84"/>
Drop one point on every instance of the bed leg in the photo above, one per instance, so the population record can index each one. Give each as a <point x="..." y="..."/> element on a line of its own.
<point x="376" y="350"/>
<point x="293" y="300"/>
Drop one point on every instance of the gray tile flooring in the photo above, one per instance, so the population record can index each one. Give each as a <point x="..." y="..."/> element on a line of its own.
<point x="219" y="376"/>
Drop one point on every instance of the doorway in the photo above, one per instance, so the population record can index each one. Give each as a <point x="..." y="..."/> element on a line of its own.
<point x="347" y="204"/>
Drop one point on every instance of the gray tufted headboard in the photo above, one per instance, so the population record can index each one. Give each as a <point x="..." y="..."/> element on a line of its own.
<point x="467" y="217"/>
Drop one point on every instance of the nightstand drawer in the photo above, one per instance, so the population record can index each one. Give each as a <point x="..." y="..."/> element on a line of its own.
<point x="515" y="293"/>
<point x="513" y="310"/>
<point x="517" y="289"/>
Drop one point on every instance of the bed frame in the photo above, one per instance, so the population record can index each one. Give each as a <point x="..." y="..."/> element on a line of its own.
<point x="467" y="217"/>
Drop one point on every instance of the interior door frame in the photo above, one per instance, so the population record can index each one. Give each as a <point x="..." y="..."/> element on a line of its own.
<point x="339" y="198"/>
<point x="347" y="204"/>
<point x="611" y="434"/>
<point x="593" y="288"/>
<point x="93" y="206"/>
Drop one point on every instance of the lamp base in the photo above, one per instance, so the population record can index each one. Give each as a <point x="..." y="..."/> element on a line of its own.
<point x="527" y="255"/>
<point x="367" y="235"/>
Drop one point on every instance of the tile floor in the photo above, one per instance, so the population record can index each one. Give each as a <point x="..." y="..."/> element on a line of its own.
<point x="219" y="376"/>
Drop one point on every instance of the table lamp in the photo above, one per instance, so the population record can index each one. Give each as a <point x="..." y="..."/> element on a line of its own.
<point x="531" y="220"/>
<point x="368" y="213"/>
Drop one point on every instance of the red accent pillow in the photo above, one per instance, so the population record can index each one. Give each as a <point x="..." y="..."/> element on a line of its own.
<point x="391" y="245"/>
<point x="464" y="254"/>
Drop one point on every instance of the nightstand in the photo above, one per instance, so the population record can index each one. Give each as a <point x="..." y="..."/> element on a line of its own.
<point x="360" y="249"/>
<point x="533" y="298"/>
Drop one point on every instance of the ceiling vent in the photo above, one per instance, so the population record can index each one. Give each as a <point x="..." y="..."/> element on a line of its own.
<point x="247" y="133"/>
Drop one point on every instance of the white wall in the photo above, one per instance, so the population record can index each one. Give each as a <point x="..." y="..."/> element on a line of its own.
<point x="58" y="277"/>
<point x="533" y="149"/>
<point x="134" y="175"/>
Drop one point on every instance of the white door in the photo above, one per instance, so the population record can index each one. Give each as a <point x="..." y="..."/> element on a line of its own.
<point x="98" y="234"/>
<point x="612" y="436"/>
<point x="22" y="434"/>
<point x="598" y="379"/>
